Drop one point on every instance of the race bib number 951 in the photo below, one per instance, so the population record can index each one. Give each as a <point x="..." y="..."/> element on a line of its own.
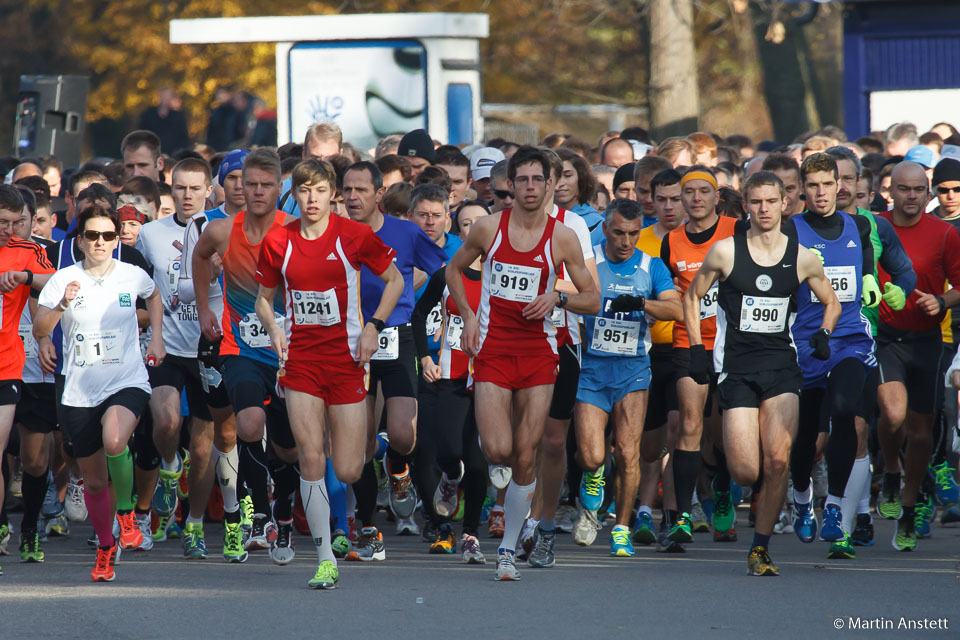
<point x="515" y="282"/>
<point x="617" y="337"/>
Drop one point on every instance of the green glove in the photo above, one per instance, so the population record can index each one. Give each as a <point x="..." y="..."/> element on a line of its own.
<point x="894" y="296"/>
<point x="871" y="291"/>
<point x="817" y="253"/>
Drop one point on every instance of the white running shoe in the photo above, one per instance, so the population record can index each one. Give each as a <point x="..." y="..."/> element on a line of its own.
<point x="527" y="538"/>
<point x="143" y="521"/>
<point x="282" y="550"/>
<point x="507" y="567"/>
<point x="500" y="475"/>
<point x="566" y="518"/>
<point x="586" y="527"/>
<point x="407" y="527"/>
<point x="75" y="507"/>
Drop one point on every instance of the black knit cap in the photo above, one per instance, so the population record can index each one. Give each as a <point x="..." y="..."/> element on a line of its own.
<point x="418" y="144"/>
<point x="623" y="174"/>
<point x="947" y="170"/>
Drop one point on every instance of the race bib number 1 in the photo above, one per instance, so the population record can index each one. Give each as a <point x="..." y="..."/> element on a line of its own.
<point x="389" y="345"/>
<point x="514" y="282"/>
<point x="763" y="315"/>
<point x="617" y="337"/>
<point x="844" y="283"/>
<point x="316" y="308"/>
<point x="98" y="347"/>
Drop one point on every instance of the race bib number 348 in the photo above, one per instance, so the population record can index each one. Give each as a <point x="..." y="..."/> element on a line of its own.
<point x="515" y="282"/>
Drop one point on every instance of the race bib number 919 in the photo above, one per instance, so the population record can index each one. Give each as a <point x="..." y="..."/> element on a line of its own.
<point x="515" y="282"/>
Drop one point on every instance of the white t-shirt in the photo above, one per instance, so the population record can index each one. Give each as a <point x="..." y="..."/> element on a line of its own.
<point x="32" y="373"/>
<point x="187" y="290"/>
<point x="158" y="242"/>
<point x="101" y="350"/>
<point x="578" y="226"/>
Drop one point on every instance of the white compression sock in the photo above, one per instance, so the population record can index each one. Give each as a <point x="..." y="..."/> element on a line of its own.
<point x="516" y="507"/>
<point x="864" y="506"/>
<point x="227" y="465"/>
<point x="853" y="492"/>
<point x="316" y="506"/>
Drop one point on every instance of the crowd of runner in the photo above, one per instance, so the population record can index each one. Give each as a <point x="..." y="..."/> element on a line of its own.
<point x="501" y="342"/>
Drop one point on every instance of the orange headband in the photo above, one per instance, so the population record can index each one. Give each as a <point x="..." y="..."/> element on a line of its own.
<point x="698" y="175"/>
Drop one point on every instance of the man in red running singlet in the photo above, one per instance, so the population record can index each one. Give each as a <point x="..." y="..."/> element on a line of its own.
<point x="512" y="339"/>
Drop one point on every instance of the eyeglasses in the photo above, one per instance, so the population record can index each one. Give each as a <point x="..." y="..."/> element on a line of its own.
<point x="945" y="190"/>
<point x="11" y="224"/>
<point x="503" y="194"/>
<point x="93" y="236"/>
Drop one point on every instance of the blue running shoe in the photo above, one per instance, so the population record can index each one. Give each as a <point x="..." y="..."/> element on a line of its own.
<point x="591" y="490"/>
<point x="643" y="532"/>
<point x="620" y="545"/>
<point x="945" y="478"/>
<point x="924" y="514"/>
<point x="950" y="515"/>
<point x="165" y="498"/>
<point x="804" y="522"/>
<point x="831" y="531"/>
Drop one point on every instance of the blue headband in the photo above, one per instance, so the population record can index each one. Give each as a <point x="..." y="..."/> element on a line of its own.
<point x="232" y="162"/>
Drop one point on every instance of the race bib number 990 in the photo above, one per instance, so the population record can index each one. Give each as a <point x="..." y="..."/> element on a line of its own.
<point x="98" y="347"/>
<point x="315" y="308"/>
<point x="514" y="282"/>
<point x="844" y="283"/>
<point x="708" y="303"/>
<point x="389" y="345"/>
<point x="763" y="315"/>
<point x="617" y="337"/>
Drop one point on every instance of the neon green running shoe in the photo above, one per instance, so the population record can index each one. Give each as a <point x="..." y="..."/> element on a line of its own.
<point x="326" y="576"/>
<point x="620" y="545"/>
<point x="233" y="550"/>
<point x="30" y="550"/>
<point x="194" y="545"/>
<point x="4" y="538"/>
<point x="246" y="512"/>
<point x="889" y="506"/>
<point x="340" y="543"/>
<point x="165" y="496"/>
<point x="164" y="523"/>
<point x="905" y="536"/>
<point x="842" y="549"/>
<point x="680" y="532"/>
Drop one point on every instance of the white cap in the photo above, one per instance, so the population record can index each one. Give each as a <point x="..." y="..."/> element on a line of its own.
<point x="482" y="161"/>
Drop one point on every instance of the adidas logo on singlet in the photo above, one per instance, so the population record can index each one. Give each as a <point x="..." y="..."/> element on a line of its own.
<point x="538" y="259"/>
<point x="851" y="245"/>
<point x="331" y="256"/>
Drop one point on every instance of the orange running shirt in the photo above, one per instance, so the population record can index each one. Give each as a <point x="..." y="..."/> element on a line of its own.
<point x="18" y="255"/>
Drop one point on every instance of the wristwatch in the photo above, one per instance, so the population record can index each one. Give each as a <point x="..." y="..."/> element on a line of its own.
<point x="562" y="301"/>
<point x="377" y="323"/>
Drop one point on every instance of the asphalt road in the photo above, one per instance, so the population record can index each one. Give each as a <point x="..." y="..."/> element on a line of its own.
<point x="702" y="594"/>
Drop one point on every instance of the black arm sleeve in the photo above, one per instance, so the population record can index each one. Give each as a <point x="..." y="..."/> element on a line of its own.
<point x="432" y="294"/>
<point x="863" y="227"/>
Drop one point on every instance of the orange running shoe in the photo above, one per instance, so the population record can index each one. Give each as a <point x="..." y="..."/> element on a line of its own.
<point x="130" y="535"/>
<point x="106" y="560"/>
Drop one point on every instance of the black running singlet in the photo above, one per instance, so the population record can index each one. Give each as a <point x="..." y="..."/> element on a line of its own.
<point x="757" y="307"/>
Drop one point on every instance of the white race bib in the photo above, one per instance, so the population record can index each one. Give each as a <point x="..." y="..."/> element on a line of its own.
<point x="844" y="283"/>
<point x="98" y="347"/>
<point x="763" y="315"/>
<point x="253" y="333"/>
<point x="29" y="344"/>
<point x="514" y="282"/>
<point x="559" y="318"/>
<point x="454" y="332"/>
<point x="389" y="340"/>
<point x="144" y="343"/>
<point x="619" y="337"/>
<point x="173" y="273"/>
<point x="316" y="307"/>
<point x="434" y="320"/>
<point x="708" y="303"/>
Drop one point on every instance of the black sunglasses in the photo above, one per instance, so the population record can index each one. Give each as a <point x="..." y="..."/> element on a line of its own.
<point x="945" y="190"/>
<point x="93" y="236"/>
<point x="503" y="194"/>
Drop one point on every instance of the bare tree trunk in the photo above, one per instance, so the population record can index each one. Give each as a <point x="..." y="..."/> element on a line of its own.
<point x="674" y="99"/>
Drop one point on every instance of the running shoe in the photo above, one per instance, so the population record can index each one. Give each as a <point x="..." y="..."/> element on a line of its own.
<point x="698" y="519"/>
<point x="905" y="536"/>
<point x="527" y="539"/>
<point x="500" y="475"/>
<point x="566" y="517"/>
<point x="495" y="524"/>
<point x="591" y="490"/>
<point x="73" y="505"/>
<point x="862" y="535"/>
<point x="950" y="515"/>
<point x="258" y="539"/>
<point x="52" y="507"/>
<point x="620" y="545"/>
<point x="784" y="523"/>
<point x="194" y="544"/>
<point x="680" y="532"/>
<point x="804" y="522"/>
<point x="165" y="496"/>
<point x="948" y="492"/>
<point x="446" y="541"/>
<point x="369" y="548"/>
<point x="461" y="506"/>
<point x="163" y="530"/>
<point x="340" y="543"/>
<point x="586" y="527"/>
<point x="832" y="529"/>
<point x="130" y="535"/>
<point x="4" y="538"/>
<point x="403" y="498"/>
<point x="542" y="555"/>
<point x="282" y="550"/>
<point x="143" y="523"/>
<point x="430" y="530"/>
<point x="58" y="527"/>
<point x="326" y="577"/>
<point x="352" y="530"/>
<point x="106" y="560"/>
<point x="664" y="543"/>
<point x="760" y="564"/>
<point x="470" y="547"/>
<point x="488" y="502"/>
<point x="724" y="512"/>
<point x="233" y="550"/>
<point x="16" y="482"/>
<point x="889" y="506"/>
<point x="93" y="540"/>
<point x="643" y="532"/>
<point x="30" y="550"/>
<point x="507" y="567"/>
<point x="921" y="518"/>
<point x="446" y="500"/>
<point x="842" y="549"/>
<point x="730" y="535"/>
<point x="246" y="516"/>
<point x="407" y="526"/>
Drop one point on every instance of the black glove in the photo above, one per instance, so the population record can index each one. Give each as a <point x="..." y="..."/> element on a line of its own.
<point x="624" y="304"/>
<point x="701" y="364"/>
<point x="820" y="343"/>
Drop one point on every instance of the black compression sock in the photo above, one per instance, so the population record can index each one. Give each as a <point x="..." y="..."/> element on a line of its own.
<point x="722" y="480"/>
<point x="686" y="468"/>
<point x="34" y="489"/>
<point x="891" y="482"/>
<point x="253" y="467"/>
<point x="286" y="479"/>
